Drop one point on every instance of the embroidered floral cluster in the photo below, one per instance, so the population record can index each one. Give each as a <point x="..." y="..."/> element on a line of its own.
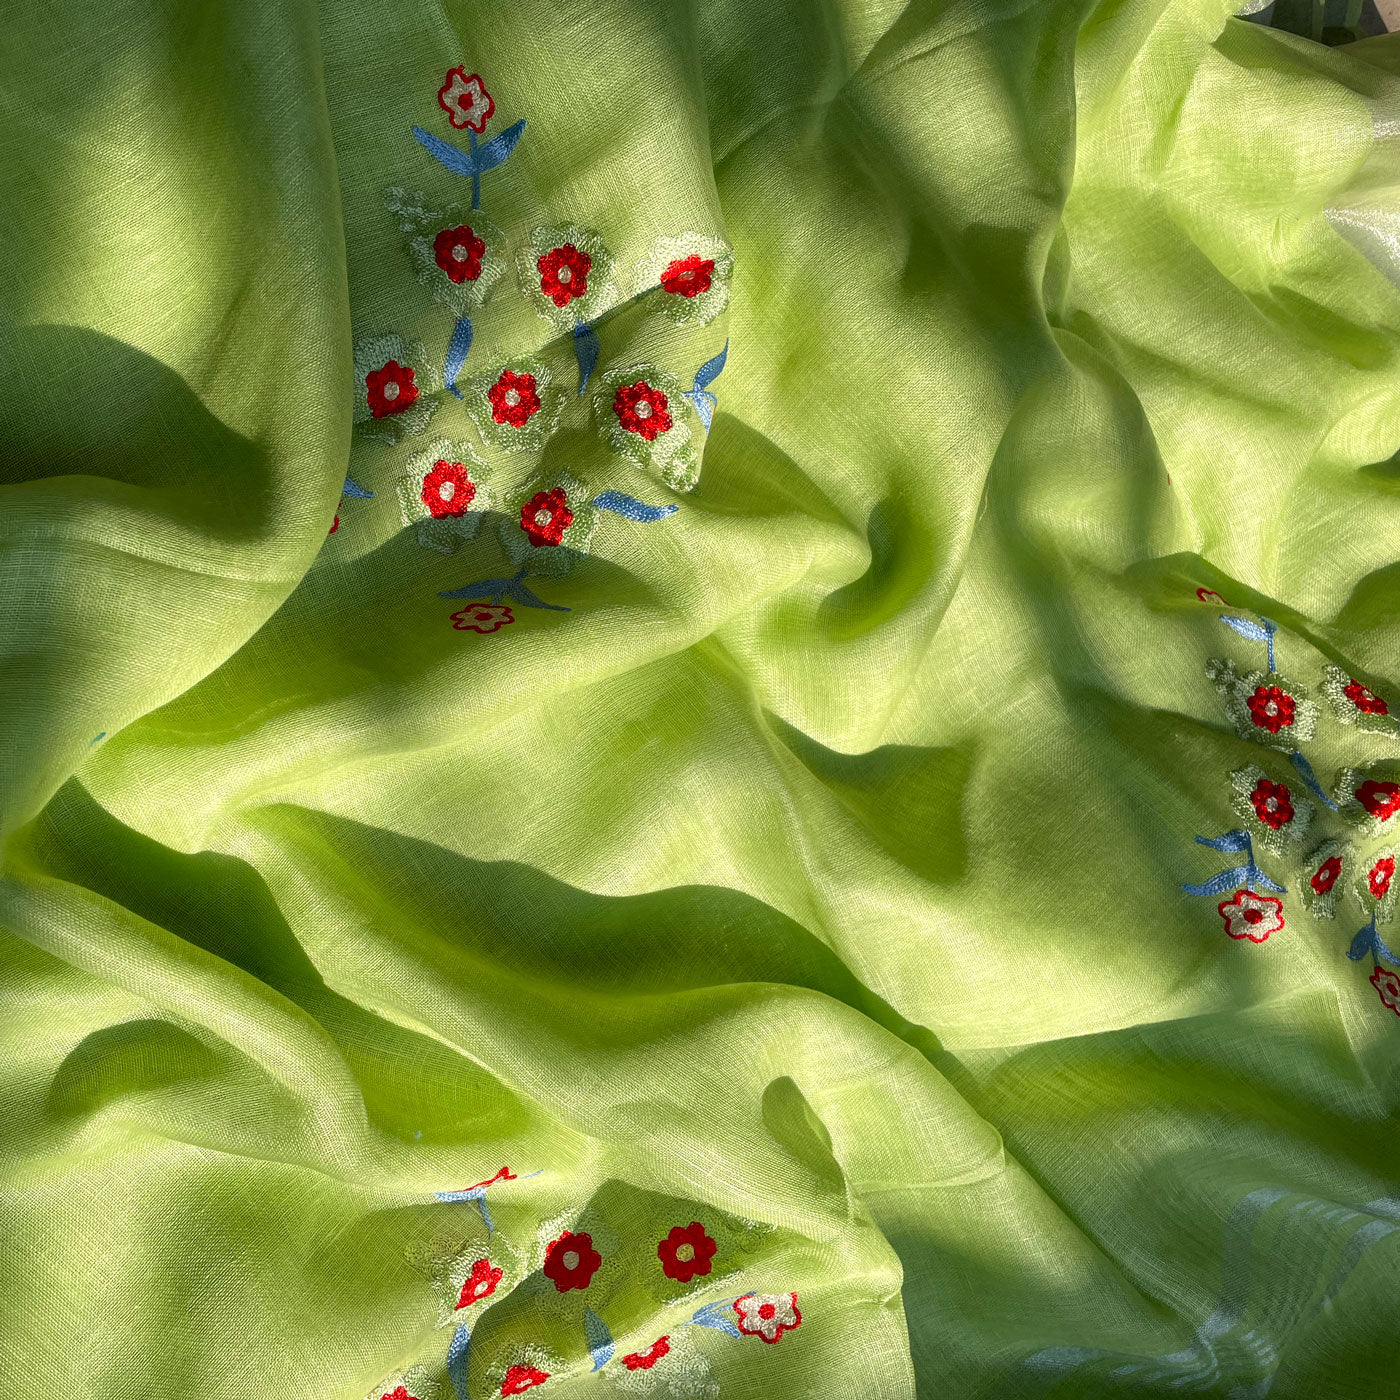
<point x="1336" y="843"/>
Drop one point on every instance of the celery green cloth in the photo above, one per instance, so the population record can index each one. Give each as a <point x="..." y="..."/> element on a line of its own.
<point x="603" y="723"/>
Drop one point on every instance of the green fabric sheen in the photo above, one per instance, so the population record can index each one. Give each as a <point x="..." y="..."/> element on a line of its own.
<point x="821" y="868"/>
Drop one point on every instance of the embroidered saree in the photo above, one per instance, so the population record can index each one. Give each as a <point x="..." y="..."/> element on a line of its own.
<point x="698" y="699"/>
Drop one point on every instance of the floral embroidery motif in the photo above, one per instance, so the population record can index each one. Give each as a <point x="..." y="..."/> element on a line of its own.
<point x="455" y="250"/>
<point x="1321" y="875"/>
<point x="545" y="517"/>
<point x="1387" y="984"/>
<point x="515" y="405"/>
<point x="564" y="274"/>
<point x="443" y="494"/>
<point x="465" y="100"/>
<point x="482" y="617"/>
<point x="571" y="1261"/>
<point x="567" y="274"/>
<point x="1265" y="707"/>
<point x="639" y="414"/>
<point x="1252" y="916"/>
<point x="700" y="397"/>
<point x="687" y="1251"/>
<point x="519" y="1379"/>
<point x="767" y="1315"/>
<point x="1357" y="704"/>
<point x="413" y="1384"/>
<point x="1211" y="597"/>
<point x="687" y="277"/>
<point x="1275" y="815"/>
<point x="645" y="1360"/>
<point x="480" y="1283"/>
<point x="549" y="524"/>
<point x="1376" y="887"/>
<point x="395" y="388"/>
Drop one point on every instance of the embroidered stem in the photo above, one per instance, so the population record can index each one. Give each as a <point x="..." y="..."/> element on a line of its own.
<point x="458" y="1354"/>
<point x="458" y="348"/>
<point x="1368" y="940"/>
<point x="1241" y="875"/>
<point x="476" y="183"/>
<point x="1305" y="770"/>
<point x="586" y="351"/>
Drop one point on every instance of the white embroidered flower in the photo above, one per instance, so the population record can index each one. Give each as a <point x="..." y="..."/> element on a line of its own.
<point x="1250" y="915"/>
<point x="767" y="1315"/>
<point x="465" y="100"/>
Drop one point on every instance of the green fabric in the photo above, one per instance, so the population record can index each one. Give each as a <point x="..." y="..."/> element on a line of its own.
<point x="805" y="862"/>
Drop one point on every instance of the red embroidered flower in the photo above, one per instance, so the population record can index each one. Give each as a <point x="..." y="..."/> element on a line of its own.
<point x="335" y="524"/>
<point x="505" y="1174"/>
<point x="1388" y="985"/>
<point x="514" y="398"/>
<point x="545" y="517"/>
<point x="1272" y="803"/>
<point x="685" y="1252"/>
<point x="482" y="617"/>
<point x="1271" y="708"/>
<point x="519" y="1379"/>
<point x="481" y="1283"/>
<point x="642" y="409"/>
<point x="1367" y="701"/>
<point x="1381" y="800"/>
<point x="465" y="100"/>
<point x="1382" y="873"/>
<point x="1209" y="595"/>
<point x="645" y="1360"/>
<point x="571" y="1261"/>
<point x="458" y="252"/>
<point x="564" y="273"/>
<point x="688" y="277"/>
<point x="1326" y="874"/>
<point x="390" y="389"/>
<point x="767" y="1315"/>
<point x="399" y="1393"/>
<point x="447" y="489"/>
<point x="1252" y="916"/>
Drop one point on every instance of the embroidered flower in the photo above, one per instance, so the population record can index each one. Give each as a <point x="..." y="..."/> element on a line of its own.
<point x="1320" y="877"/>
<point x="519" y="1379"/>
<point x="767" y="1315"/>
<point x="1356" y="703"/>
<point x="1376" y="886"/>
<point x="482" y="617"/>
<point x="1275" y="814"/>
<point x="458" y="252"/>
<point x="1365" y="700"/>
<point x="686" y="1252"/>
<point x="688" y="278"/>
<point x="545" y="517"/>
<point x="395" y="387"/>
<point x="399" y="1392"/>
<point x="1380" y="876"/>
<point x="1267" y="708"/>
<point x="549" y="523"/>
<point x="571" y="1261"/>
<point x="1387" y="984"/>
<point x="567" y="273"/>
<point x="443" y="494"/>
<point x="1209" y="595"/>
<point x="1252" y="916"/>
<point x="645" y="1360"/>
<point x="464" y="98"/>
<point x="515" y="405"/>
<point x="513" y="398"/>
<point x="481" y="1282"/>
<point x="1379" y="799"/>
<point x="455" y="250"/>
<point x="1326" y="875"/>
<point x="564" y="273"/>
<point x="641" y="414"/>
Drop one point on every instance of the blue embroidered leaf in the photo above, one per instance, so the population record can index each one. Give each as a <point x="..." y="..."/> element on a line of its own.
<point x="705" y="404"/>
<point x="457" y="350"/>
<point x="453" y="157"/>
<point x="600" y="1341"/>
<point x="1235" y="879"/>
<point x="1370" y="941"/>
<point x="717" y="1315"/>
<point x="521" y="594"/>
<point x="1232" y="841"/>
<point x="1246" y="628"/>
<point x="494" y="151"/>
<point x="1305" y="770"/>
<point x="710" y="370"/>
<point x="631" y="507"/>
<point x="358" y="492"/>
<point x="487" y="588"/>
<point x="586" y="351"/>
<point x="458" y="1354"/>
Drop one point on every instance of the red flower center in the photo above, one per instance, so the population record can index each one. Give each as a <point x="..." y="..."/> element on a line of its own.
<point x="390" y="389"/>
<point x="688" y="277"/>
<point x="1253" y="916"/>
<point x="458" y="252"/>
<point x="1381" y="800"/>
<point x="564" y="273"/>
<point x="447" y="490"/>
<point x="643" y="410"/>
<point x="544" y="518"/>
<point x="514" y="398"/>
<point x="1367" y="701"/>
<point x="767" y="1312"/>
<point x="1325" y="876"/>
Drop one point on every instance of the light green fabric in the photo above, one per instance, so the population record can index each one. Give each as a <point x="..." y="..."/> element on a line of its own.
<point x="817" y="875"/>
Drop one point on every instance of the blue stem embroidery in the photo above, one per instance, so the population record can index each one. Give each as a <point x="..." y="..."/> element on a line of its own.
<point x="586" y="351"/>
<point x="600" y="1340"/>
<point x="1305" y="771"/>
<point x="716" y="1315"/>
<point x="474" y="163"/>
<point x="700" y="396"/>
<point x="493" y="590"/>
<point x="477" y="1197"/>
<point x="458" y="1354"/>
<point x="1237" y="877"/>
<point x="458" y="348"/>
<point x="631" y="507"/>
<point x="1254" y="631"/>
<point x="1370" y="941"/>
<point x="476" y="174"/>
<point x="358" y="492"/>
